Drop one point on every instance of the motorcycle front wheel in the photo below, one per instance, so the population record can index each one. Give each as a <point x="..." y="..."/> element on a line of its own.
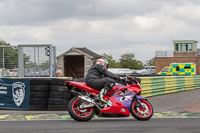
<point x="77" y="113"/>
<point x="141" y="113"/>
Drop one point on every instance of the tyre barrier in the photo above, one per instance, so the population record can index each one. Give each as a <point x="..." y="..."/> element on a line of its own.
<point x="49" y="94"/>
<point x="59" y="97"/>
<point x="39" y="94"/>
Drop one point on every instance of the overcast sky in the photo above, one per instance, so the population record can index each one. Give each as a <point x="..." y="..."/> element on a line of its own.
<point x="114" y="27"/>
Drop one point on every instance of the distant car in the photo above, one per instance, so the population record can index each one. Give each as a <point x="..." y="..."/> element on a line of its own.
<point x="121" y="71"/>
<point x="150" y="69"/>
<point x="142" y="71"/>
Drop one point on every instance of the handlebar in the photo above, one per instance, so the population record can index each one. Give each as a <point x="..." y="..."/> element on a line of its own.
<point x="127" y="80"/>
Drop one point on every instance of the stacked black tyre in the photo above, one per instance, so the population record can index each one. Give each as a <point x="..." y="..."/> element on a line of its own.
<point x="39" y="93"/>
<point x="59" y="95"/>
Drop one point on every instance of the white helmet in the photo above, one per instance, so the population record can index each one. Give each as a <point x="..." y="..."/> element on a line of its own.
<point x="103" y="62"/>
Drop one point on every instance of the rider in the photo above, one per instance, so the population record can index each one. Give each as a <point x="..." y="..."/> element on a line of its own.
<point x="100" y="79"/>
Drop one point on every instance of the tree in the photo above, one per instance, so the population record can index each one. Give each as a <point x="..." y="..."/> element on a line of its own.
<point x="44" y="65"/>
<point x="139" y="65"/>
<point x="30" y="64"/>
<point x="9" y="56"/>
<point x="112" y="63"/>
<point x="150" y="62"/>
<point x="128" y="61"/>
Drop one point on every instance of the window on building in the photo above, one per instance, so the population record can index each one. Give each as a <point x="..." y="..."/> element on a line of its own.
<point x="181" y="47"/>
<point x="186" y="47"/>
<point x="176" y="47"/>
<point x="189" y="47"/>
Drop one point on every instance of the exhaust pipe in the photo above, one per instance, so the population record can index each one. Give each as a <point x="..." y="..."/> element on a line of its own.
<point x="89" y="100"/>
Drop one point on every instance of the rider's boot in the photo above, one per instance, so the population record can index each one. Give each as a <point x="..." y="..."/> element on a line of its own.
<point x="100" y="96"/>
<point x="103" y="91"/>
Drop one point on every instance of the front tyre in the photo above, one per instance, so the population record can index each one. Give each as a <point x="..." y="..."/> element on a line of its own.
<point x="140" y="113"/>
<point x="77" y="113"/>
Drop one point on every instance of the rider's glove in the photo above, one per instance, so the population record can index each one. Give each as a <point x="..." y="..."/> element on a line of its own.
<point x="118" y="79"/>
<point x="123" y="79"/>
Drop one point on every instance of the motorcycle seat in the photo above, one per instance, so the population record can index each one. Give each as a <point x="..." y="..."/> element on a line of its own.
<point x="83" y="86"/>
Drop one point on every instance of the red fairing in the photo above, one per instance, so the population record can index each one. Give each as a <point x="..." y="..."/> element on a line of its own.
<point x="133" y="88"/>
<point x="84" y="87"/>
<point x="116" y="108"/>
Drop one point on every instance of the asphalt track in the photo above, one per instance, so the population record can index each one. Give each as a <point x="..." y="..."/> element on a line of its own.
<point x="116" y="125"/>
<point x="180" y="102"/>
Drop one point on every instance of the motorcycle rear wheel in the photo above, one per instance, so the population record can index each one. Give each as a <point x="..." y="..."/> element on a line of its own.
<point x="140" y="113"/>
<point x="77" y="113"/>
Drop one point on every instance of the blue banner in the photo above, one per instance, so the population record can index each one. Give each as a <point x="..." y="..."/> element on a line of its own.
<point x="14" y="94"/>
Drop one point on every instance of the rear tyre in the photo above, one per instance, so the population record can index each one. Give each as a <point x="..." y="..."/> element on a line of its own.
<point x="79" y="114"/>
<point x="140" y="113"/>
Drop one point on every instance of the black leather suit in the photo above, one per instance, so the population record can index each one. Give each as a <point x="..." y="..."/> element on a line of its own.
<point x="98" y="77"/>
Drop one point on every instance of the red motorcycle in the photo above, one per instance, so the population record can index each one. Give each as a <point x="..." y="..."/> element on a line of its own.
<point x="124" y="99"/>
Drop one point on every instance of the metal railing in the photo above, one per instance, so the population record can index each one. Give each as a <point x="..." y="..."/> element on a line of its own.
<point x="41" y="60"/>
<point x="168" y="53"/>
<point x="33" y="60"/>
<point x="8" y="60"/>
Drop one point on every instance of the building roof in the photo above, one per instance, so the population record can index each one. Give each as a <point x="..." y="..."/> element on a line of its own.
<point x="83" y="51"/>
<point x="185" y="41"/>
<point x="89" y="52"/>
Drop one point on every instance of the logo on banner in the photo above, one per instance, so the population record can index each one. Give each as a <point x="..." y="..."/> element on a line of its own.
<point x="18" y="90"/>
